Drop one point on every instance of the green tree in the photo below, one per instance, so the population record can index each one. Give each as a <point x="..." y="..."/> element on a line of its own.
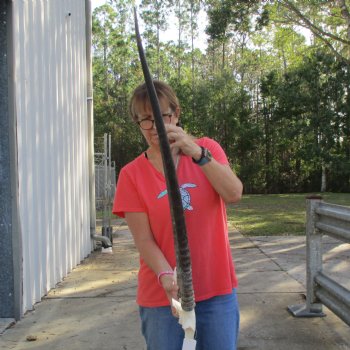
<point x="277" y="104"/>
<point x="116" y="71"/>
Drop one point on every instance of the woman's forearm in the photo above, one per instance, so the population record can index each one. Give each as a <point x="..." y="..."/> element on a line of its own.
<point x="145" y="243"/>
<point x="150" y="252"/>
<point x="224" y="181"/>
<point x="153" y="256"/>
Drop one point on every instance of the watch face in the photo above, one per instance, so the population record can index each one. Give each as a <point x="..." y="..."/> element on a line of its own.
<point x="207" y="154"/>
<point x="205" y="157"/>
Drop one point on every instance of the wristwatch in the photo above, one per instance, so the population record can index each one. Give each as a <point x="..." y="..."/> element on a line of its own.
<point x="205" y="157"/>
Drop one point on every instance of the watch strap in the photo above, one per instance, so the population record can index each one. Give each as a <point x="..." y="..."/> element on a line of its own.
<point x="205" y="157"/>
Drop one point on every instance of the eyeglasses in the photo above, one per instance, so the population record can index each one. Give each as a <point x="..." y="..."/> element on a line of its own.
<point x="147" y="123"/>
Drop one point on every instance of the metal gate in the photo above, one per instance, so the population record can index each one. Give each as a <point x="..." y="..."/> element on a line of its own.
<point x="332" y="220"/>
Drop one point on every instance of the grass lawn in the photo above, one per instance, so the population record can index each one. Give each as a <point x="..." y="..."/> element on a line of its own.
<point x="275" y="214"/>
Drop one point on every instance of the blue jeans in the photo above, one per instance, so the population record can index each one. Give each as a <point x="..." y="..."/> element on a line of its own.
<point x="217" y="325"/>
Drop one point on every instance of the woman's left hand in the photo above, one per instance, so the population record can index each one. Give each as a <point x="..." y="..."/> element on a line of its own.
<point x="179" y="139"/>
<point x="222" y="178"/>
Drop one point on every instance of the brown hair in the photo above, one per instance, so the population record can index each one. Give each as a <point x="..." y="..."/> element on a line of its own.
<point x="140" y="97"/>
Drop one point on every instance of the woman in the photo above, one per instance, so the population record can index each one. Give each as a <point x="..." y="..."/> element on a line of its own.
<point x="206" y="182"/>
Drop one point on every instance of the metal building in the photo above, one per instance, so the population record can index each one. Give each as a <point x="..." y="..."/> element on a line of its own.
<point x="46" y="148"/>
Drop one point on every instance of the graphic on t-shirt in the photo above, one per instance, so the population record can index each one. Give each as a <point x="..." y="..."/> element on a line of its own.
<point x="185" y="195"/>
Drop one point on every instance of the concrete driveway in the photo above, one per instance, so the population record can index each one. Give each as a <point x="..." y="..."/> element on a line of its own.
<point x="94" y="307"/>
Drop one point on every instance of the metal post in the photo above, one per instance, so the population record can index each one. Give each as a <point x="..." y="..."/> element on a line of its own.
<point x="313" y="254"/>
<point x="105" y="192"/>
<point x="107" y="210"/>
<point x="109" y="186"/>
<point x="312" y="308"/>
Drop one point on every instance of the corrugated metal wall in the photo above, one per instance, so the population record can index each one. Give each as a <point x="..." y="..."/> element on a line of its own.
<point x="50" y="102"/>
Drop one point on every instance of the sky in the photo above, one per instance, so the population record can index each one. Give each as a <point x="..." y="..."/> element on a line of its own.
<point x="171" y="34"/>
<point x="96" y="3"/>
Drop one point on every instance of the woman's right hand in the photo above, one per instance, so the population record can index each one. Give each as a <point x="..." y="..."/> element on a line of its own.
<point x="171" y="289"/>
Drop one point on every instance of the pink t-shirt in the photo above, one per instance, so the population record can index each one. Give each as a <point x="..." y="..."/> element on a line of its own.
<point x="141" y="188"/>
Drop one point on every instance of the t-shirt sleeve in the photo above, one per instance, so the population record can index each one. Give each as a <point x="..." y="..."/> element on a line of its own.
<point x="215" y="149"/>
<point x="126" y="197"/>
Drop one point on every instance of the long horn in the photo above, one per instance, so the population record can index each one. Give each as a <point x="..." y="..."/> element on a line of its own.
<point x="183" y="259"/>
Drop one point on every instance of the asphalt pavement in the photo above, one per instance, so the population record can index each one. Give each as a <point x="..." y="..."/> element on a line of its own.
<point x="94" y="307"/>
